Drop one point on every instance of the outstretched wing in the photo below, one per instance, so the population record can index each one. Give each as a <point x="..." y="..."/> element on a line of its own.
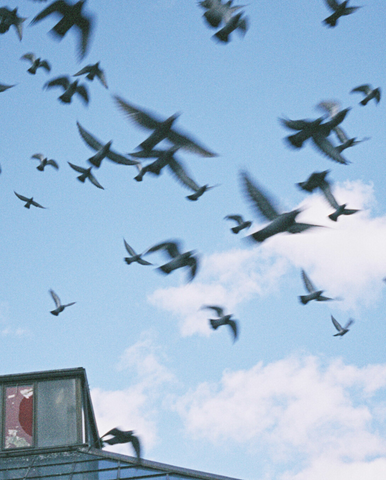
<point x="260" y="201"/>
<point x="337" y="325"/>
<point x="60" y="6"/>
<point x="140" y="117"/>
<point x="181" y="175"/>
<point x="216" y="308"/>
<point x="171" y="247"/>
<point x="307" y="282"/>
<point x="56" y="298"/>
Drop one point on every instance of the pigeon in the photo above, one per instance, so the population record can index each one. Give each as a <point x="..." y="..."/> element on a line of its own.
<point x="233" y="23"/>
<point x="164" y="158"/>
<point x="72" y="16"/>
<point x="93" y="71"/>
<point x="29" y="201"/>
<point x="179" y="259"/>
<point x="85" y="173"/>
<point x="341" y="330"/>
<point x="315" y="180"/>
<point x="10" y="17"/>
<point x="35" y="63"/>
<point x="3" y="87"/>
<point x="241" y="224"/>
<point x="223" y="320"/>
<point x="313" y="294"/>
<point x="162" y="129"/>
<point x="339" y="10"/>
<point x="219" y="12"/>
<point x="44" y="162"/>
<point x="134" y="256"/>
<point x="103" y="151"/>
<point x="284" y="222"/>
<point x="59" y="307"/>
<point x="369" y="92"/>
<point x="70" y="88"/>
<point x="119" y="436"/>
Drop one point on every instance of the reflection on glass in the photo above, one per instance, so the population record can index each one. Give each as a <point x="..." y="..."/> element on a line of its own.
<point x="18" y="416"/>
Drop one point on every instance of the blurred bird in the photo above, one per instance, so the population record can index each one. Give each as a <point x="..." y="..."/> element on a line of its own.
<point x="3" y="87"/>
<point x="36" y="63"/>
<point x="341" y="330"/>
<point x="29" y="201"/>
<point x="313" y="294"/>
<point x="179" y="259"/>
<point x="233" y="23"/>
<point x="85" y="173"/>
<point x="241" y="224"/>
<point x="93" y="71"/>
<point x="44" y="162"/>
<point x="134" y="256"/>
<point x="162" y="129"/>
<point x="10" y="17"/>
<point x="369" y="92"/>
<point x="339" y="9"/>
<point x="222" y="320"/>
<point x="72" y="16"/>
<point x="70" y="88"/>
<point x="315" y="180"/>
<point x="119" y="436"/>
<point x="59" y="307"/>
<point x="284" y="222"/>
<point x="219" y="12"/>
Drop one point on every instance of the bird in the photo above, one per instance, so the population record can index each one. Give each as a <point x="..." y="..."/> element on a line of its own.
<point x="369" y="92"/>
<point x="233" y="23"/>
<point x="35" y="63"/>
<point x="284" y="222"/>
<point x="218" y="12"/>
<point x="178" y="259"/>
<point x="103" y="150"/>
<point x="120" y="436"/>
<point x="70" y="88"/>
<point x="29" y="201"/>
<point x="222" y="320"/>
<point x="72" y="16"/>
<point x="241" y="224"/>
<point x="162" y="129"/>
<point x="85" y="173"/>
<point x="134" y="256"/>
<point x="341" y="330"/>
<point x="59" y="307"/>
<point x="313" y="294"/>
<point x="44" y="162"/>
<point x="3" y="87"/>
<point x="315" y="180"/>
<point x="92" y="71"/>
<point x="10" y="17"/>
<point x="339" y="9"/>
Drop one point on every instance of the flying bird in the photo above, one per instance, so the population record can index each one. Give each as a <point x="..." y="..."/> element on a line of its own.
<point x="313" y="294"/>
<point x="3" y="87"/>
<point x="29" y="201"/>
<point x="369" y="93"/>
<point x="119" y="436"/>
<point x="241" y="224"/>
<point x="10" y="17"/>
<point x="315" y="180"/>
<point x="341" y="330"/>
<point x="72" y="16"/>
<point x="339" y="9"/>
<point x="70" y="88"/>
<point x="59" y="307"/>
<point x="218" y="12"/>
<point x="222" y="320"/>
<point x="237" y="22"/>
<point x="35" y="63"/>
<point x="44" y="162"/>
<point x="92" y="71"/>
<point x="135" y="257"/>
<point x="85" y="173"/>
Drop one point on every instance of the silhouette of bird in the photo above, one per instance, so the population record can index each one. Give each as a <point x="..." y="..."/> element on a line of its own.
<point x="10" y="17"/>
<point x="72" y="16"/>
<point x="241" y="224"/>
<point x="369" y="92"/>
<point x="284" y="222"/>
<point x="44" y="162"/>
<point x="339" y="9"/>
<point x="222" y="320"/>
<point x="134" y="256"/>
<point x="119" y="436"/>
<point x="59" y="307"/>
<point x="179" y="259"/>
<point x="3" y="87"/>
<point x="70" y="88"/>
<point x="162" y="129"/>
<point x="85" y="173"/>
<point x="29" y="201"/>
<point x="218" y="12"/>
<point x="315" y="180"/>
<point x="233" y="23"/>
<point x="92" y="71"/>
<point x="341" y="330"/>
<point x="313" y="294"/>
<point x="35" y="63"/>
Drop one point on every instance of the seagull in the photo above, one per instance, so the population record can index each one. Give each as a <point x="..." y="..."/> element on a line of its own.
<point x="85" y="173"/>
<point x="339" y="10"/>
<point x="10" y="17"/>
<point x="161" y="129"/>
<point x="3" y="87"/>
<point x="341" y="330"/>
<point x="59" y="307"/>
<point x="369" y="92"/>
<point x="241" y="224"/>
<point x="72" y="16"/>
<point x="284" y="222"/>
<point x="29" y="201"/>
<point x="93" y="71"/>
<point x="119" y="436"/>
<point x="134" y="256"/>
<point x="70" y="88"/>
<point x="222" y="320"/>
<point x="179" y="259"/>
<point x="35" y="63"/>
<point x="313" y="294"/>
<point x="44" y="162"/>
<point x="233" y="23"/>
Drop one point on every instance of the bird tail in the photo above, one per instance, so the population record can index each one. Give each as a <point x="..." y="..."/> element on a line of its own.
<point x="82" y="178"/>
<point x="364" y="101"/>
<point x="65" y="98"/>
<point x="304" y="300"/>
<point x="236" y="229"/>
<point x="165" y="268"/>
<point x="214" y="323"/>
<point x="32" y="69"/>
<point x="222" y="36"/>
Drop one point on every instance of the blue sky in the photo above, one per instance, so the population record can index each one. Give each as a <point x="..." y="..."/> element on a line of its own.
<point x="287" y="401"/>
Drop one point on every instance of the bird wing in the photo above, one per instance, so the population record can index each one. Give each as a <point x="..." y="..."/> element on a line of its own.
<point x="340" y="133"/>
<point x="187" y="143"/>
<point x="77" y="168"/>
<point x="294" y="124"/>
<point x="53" y="164"/>
<point x="333" y="4"/>
<point x="56" y="299"/>
<point x="25" y="199"/>
<point x="102" y="77"/>
<point x="362" y="88"/>
<point x="307" y="282"/>
<point x="337" y="325"/>
<point x="85" y="26"/>
<point x="264" y="206"/>
<point x="140" y="117"/>
<point x="39" y="156"/>
<point x="349" y="323"/>
<point x="233" y="325"/>
<point x="129" y="249"/>
<point x="181" y="175"/>
<point x="28" y="56"/>
<point x="94" y="181"/>
<point x="171" y="247"/>
<point x="193" y="264"/>
<point x="325" y="146"/>
<point x="237" y="218"/>
<point x="216" y="308"/>
<point x="60" y="6"/>
<point x="83" y="70"/>
<point x="297" y="227"/>
<point x="36" y="204"/>
<point x="45" y="65"/>
<point x="82" y="90"/>
<point x="326" y="189"/>
<point x="61" y="81"/>
<point x="332" y="107"/>
<point x="136" y="445"/>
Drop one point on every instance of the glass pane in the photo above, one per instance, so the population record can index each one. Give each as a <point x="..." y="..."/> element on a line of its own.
<point x="18" y="416"/>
